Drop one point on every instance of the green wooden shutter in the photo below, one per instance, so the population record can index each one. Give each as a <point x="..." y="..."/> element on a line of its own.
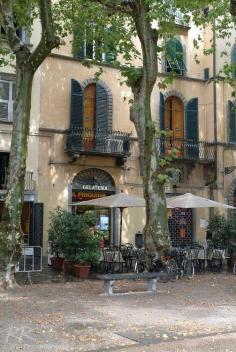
<point x="231" y="122"/>
<point x="78" y="45"/>
<point x="74" y="140"/>
<point x="192" y="146"/>
<point x="233" y="62"/>
<point x="110" y="54"/>
<point x="162" y="111"/>
<point x="76" y="111"/>
<point x="102" y="122"/>
<point x="36" y="225"/>
<point x="102" y="114"/>
<point x="161" y="121"/>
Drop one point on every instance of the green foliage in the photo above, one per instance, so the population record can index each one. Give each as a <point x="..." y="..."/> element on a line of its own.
<point x="231" y="235"/>
<point x="218" y="227"/>
<point x="73" y="235"/>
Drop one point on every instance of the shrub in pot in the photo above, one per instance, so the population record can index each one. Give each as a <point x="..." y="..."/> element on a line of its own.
<point x="76" y="234"/>
<point x="85" y="258"/>
<point x="56" y="229"/>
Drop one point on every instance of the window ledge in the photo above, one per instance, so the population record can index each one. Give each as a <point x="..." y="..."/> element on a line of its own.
<point x="6" y="122"/>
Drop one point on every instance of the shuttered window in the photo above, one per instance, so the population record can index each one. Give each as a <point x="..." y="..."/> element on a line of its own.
<point x="6" y="100"/>
<point x="175" y="57"/>
<point x="231" y="122"/>
<point x="233" y="62"/>
<point x="85" y="47"/>
<point x="102" y="120"/>
<point x="4" y="161"/>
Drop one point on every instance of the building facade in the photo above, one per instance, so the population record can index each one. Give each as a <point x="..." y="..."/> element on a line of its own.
<point x="82" y="144"/>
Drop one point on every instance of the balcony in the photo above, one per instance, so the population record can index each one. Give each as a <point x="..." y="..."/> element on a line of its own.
<point x="29" y="181"/>
<point x="82" y="141"/>
<point x="189" y="150"/>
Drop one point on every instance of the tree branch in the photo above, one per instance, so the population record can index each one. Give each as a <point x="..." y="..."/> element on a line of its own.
<point x="233" y="7"/>
<point x="7" y="22"/>
<point x="49" y="40"/>
<point x="124" y="6"/>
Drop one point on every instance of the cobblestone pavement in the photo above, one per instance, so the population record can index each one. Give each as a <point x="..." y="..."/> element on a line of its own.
<point x="187" y="315"/>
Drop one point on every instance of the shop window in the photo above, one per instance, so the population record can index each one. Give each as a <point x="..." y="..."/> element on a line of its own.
<point x="174" y="61"/>
<point x="7" y="95"/>
<point x="231" y="122"/>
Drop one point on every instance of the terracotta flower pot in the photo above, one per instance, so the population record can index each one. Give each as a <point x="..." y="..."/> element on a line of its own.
<point x="57" y="263"/>
<point x="82" y="271"/>
<point x="68" y="267"/>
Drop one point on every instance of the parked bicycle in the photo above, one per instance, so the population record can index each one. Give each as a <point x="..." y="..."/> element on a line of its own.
<point x="167" y="268"/>
<point x="185" y="265"/>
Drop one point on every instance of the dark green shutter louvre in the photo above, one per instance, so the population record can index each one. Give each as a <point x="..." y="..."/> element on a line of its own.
<point x="102" y="113"/>
<point x="76" y="112"/>
<point x="234" y="62"/>
<point x="76" y="115"/>
<point x="192" y="147"/>
<point x="36" y="225"/>
<point x="231" y="122"/>
<point x="78" y="44"/>
<point x="162" y="113"/>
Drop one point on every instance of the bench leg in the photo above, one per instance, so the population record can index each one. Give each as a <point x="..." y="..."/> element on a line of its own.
<point x="108" y="287"/>
<point x="152" y="285"/>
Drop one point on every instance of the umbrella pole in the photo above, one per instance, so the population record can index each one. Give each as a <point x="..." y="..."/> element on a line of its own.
<point x="121" y="212"/>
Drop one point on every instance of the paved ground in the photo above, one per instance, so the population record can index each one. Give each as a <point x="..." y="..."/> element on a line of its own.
<point x="187" y="315"/>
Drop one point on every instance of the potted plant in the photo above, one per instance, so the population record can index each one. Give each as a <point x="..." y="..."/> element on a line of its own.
<point x="76" y="235"/>
<point x="231" y="242"/>
<point x="56" y="229"/>
<point x="86" y="257"/>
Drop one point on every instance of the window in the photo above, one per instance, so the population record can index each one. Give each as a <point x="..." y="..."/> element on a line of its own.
<point x="7" y="93"/>
<point x="90" y="106"/>
<point x="4" y="161"/>
<point x="21" y="32"/>
<point x="231" y="122"/>
<point x="174" y="61"/>
<point x="233" y="61"/>
<point x="93" y="49"/>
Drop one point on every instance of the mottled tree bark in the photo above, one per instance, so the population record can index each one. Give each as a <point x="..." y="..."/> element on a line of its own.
<point x="156" y="229"/>
<point x="11" y="236"/>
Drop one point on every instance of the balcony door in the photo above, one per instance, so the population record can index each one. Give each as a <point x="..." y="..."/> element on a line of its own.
<point x="174" y="121"/>
<point x="89" y="116"/>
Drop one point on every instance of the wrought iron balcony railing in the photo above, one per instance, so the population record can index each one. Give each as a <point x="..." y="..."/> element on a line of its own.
<point x="29" y="181"/>
<point x="189" y="149"/>
<point x="96" y="141"/>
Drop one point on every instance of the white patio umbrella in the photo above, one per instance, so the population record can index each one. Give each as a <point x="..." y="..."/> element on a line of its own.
<point x="119" y="200"/>
<point x="189" y="200"/>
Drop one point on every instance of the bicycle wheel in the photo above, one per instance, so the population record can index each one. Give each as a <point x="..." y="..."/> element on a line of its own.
<point x="174" y="270"/>
<point x="139" y="267"/>
<point x="234" y="269"/>
<point x="188" y="268"/>
<point x="164" y="275"/>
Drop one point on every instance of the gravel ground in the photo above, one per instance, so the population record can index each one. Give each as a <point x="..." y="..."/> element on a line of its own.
<point x="187" y="315"/>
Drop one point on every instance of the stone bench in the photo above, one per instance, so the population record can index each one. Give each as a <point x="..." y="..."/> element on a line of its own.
<point x="110" y="278"/>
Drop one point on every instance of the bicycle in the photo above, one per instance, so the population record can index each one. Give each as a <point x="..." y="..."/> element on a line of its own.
<point x="167" y="268"/>
<point x="184" y="263"/>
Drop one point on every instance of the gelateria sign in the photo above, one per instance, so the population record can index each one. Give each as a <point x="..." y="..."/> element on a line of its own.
<point x="93" y="188"/>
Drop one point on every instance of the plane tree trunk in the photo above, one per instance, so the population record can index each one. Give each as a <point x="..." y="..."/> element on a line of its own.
<point x="156" y="232"/>
<point x="11" y="236"/>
